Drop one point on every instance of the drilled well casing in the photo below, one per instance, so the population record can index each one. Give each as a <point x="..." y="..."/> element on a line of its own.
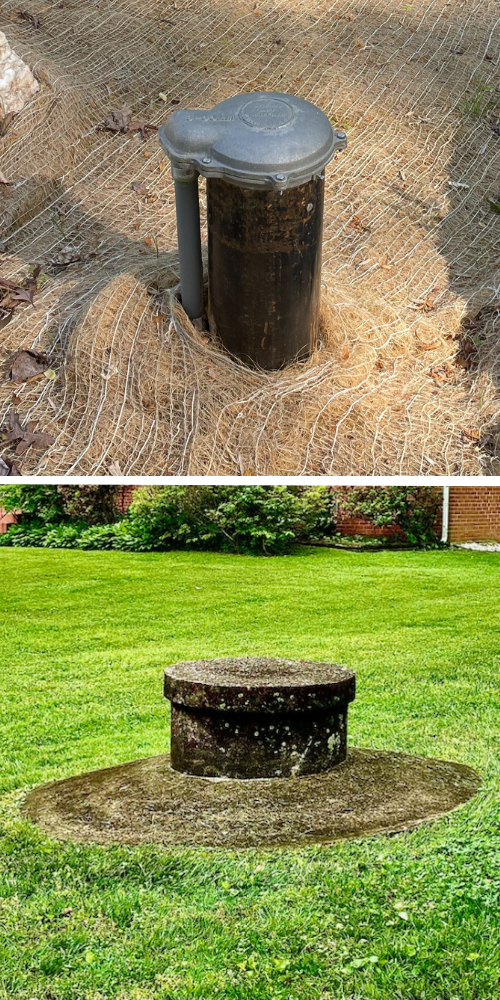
<point x="242" y="745"/>
<point x="264" y="270"/>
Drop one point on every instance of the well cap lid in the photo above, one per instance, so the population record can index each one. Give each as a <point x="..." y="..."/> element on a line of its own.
<point x="259" y="684"/>
<point x="266" y="140"/>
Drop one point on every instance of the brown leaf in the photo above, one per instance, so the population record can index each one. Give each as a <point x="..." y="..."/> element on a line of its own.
<point x="25" y="436"/>
<point x="6" y="318"/>
<point x="140" y="189"/>
<point x="118" y="121"/>
<point x="23" y="295"/>
<point x="22" y="447"/>
<point x="148" y="242"/>
<point x="121" y="121"/>
<point x="5" y="122"/>
<point x="472" y="434"/>
<point x="16" y="432"/>
<point x="25" y="365"/>
<point x="423" y="305"/>
<point x="141" y="127"/>
<point x="7" y="283"/>
<point x="25" y="14"/>
<point x="8" y="467"/>
<point x="357" y="224"/>
<point x="19" y="293"/>
<point x="439" y="377"/>
<point x="212" y="373"/>
<point x="31" y="282"/>
<point x="158" y="318"/>
<point x="429" y="347"/>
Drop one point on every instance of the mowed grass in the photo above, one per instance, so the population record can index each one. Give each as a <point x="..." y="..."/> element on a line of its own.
<point x="85" y="637"/>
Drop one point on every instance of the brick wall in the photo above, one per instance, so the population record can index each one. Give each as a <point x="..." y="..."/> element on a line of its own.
<point x="348" y="525"/>
<point x="124" y="497"/>
<point x="6" y="520"/>
<point x="474" y="514"/>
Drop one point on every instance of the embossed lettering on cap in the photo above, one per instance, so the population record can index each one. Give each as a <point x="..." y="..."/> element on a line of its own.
<point x="266" y="113"/>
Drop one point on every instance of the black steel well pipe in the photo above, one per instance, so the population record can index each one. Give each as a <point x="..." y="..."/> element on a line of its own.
<point x="264" y="270"/>
<point x="263" y="155"/>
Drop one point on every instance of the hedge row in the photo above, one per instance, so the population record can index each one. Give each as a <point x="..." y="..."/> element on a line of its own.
<point x="257" y="519"/>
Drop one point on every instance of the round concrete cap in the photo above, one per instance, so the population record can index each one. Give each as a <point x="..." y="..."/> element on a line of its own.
<point x="259" y="684"/>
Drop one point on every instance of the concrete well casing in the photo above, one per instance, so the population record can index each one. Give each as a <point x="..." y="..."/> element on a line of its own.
<point x="258" y="717"/>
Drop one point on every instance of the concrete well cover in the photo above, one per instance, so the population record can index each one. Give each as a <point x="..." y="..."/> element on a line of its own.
<point x="146" y="801"/>
<point x="258" y="684"/>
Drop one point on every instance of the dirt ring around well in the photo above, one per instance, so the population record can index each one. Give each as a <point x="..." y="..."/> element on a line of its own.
<point x="145" y="801"/>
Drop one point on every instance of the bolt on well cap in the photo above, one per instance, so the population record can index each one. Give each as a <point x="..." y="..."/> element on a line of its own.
<point x="262" y="140"/>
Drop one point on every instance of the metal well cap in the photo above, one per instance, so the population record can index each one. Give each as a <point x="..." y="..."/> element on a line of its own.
<point x="259" y="140"/>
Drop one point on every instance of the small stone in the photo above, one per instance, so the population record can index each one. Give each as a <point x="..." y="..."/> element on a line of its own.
<point x="17" y="83"/>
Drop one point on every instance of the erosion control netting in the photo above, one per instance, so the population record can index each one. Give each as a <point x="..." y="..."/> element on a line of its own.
<point x="406" y="380"/>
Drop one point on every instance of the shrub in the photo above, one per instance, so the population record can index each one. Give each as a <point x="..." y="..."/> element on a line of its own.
<point x="317" y="512"/>
<point x="413" y="508"/>
<point x="97" y="537"/>
<point x="53" y="505"/>
<point x="25" y="536"/>
<point x="93" y="505"/>
<point x="112" y="536"/>
<point x="129" y="538"/>
<point x="64" y="536"/>
<point x="259" y="519"/>
<point x="39" y="504"/>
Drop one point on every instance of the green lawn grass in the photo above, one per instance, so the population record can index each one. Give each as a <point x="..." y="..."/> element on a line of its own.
<point x="85" y="636"/>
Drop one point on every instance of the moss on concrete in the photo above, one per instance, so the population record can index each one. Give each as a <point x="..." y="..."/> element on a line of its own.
<point x="146" y="801"/>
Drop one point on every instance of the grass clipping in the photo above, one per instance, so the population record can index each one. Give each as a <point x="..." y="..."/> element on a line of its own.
<point x="406" y="379"/>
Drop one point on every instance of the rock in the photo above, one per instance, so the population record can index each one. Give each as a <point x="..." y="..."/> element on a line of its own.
<point x="17" y="83"/>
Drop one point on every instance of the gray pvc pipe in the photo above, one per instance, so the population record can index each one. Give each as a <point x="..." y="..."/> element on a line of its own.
<point x="189" y="242"/>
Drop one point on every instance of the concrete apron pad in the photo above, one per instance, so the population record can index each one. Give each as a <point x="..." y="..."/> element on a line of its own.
<point x="147" y="802"/>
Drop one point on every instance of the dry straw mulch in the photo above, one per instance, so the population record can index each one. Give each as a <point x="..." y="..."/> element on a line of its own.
<point x="406" y="381"/>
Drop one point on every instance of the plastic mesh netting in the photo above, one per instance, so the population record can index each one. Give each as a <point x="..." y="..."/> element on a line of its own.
<point x="406" y="380"/>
